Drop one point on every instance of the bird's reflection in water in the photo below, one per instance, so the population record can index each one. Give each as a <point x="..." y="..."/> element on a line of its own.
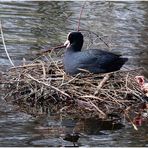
<point x="69" y="130"/>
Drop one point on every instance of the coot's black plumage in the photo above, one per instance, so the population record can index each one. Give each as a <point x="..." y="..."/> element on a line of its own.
<point x="93" y="60"/>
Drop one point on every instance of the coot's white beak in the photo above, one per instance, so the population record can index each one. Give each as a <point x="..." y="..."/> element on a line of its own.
<point x="67" y="43"/>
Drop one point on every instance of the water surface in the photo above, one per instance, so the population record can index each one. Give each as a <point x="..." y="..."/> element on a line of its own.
<point x="31" y="26"/>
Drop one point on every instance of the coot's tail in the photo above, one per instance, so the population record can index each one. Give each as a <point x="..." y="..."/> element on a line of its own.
<point x="122" y="61"/>
<point x="118" y="64"/>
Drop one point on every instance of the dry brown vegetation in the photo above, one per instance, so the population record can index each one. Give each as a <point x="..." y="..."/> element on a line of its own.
<point x="43" y="87"/>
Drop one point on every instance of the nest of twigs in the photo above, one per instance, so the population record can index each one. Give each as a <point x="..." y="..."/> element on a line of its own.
<point x="44" y="87"/>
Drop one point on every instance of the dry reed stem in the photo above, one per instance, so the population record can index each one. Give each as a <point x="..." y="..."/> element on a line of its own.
<point x="102" y="83"/>
<point x="135" y="127"/>
<point x="97" y="108"/>
<point x="26" y="66"/>
<point x="82" y="8"/>
<point x="96" y="36"/>
<point x="29" y="76"/>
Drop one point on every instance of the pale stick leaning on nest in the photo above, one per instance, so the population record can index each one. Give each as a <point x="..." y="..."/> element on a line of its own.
<point x="3" y="40"/>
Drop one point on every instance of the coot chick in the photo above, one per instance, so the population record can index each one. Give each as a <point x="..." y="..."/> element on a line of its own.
<point x="74" y="137"/>
<point x="92" y="60"/>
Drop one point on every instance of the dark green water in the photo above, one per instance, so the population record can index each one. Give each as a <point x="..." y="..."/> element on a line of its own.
<point x="31" y="26"/>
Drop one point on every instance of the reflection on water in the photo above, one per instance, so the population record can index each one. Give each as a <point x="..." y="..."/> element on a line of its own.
<point x="30" y="26"/>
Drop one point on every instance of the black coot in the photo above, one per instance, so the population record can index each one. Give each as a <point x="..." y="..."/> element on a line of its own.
<point x="92" y="60"/>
